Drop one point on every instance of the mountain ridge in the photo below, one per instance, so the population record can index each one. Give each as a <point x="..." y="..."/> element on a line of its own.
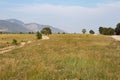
<point x="7" y="26"/>
<point x="15" y="25"/>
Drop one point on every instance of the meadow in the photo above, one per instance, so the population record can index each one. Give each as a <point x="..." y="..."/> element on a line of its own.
<point x="6" y="39"/>
<point x="62" y="57"/>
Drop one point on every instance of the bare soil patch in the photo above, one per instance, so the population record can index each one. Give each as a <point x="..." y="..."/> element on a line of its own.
<point x="116" y="37"/>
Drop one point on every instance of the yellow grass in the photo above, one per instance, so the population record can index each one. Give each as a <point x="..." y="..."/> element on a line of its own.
<point x="6" y="39"/>
<point x="63" y="57"/>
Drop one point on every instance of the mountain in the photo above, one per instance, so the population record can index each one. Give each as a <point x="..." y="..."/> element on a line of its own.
<point x="14" y="25"/>
<point x="7" y="26"/>
<point x="15" y="21"/>
<point x="38" y="27"/>
<point x="33" y="27"/>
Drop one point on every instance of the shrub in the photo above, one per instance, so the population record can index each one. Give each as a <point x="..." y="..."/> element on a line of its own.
<point x="91" y="32"/>
<point x="14" y="42"/>
<point x="39" y="35"/>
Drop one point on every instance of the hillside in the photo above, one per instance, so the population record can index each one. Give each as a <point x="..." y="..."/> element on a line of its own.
<point x="38" y="27"/>
<point x="7" y="26"/>
<point x="14" y="25"/>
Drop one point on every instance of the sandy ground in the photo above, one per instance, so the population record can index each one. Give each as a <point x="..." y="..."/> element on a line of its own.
<point x="116" y="37"/>
<point x="22" y="44"/>
<point x="6" y="49"/>
<point x="45" y="38"/>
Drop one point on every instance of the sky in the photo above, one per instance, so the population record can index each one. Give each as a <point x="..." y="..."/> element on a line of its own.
<point x="68" y="15"/>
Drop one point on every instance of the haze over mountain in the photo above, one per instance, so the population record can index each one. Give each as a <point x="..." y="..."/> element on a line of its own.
<point x="38" y="27"/>
<point x="14" y="25"/>
<point x="15" y="21"/>
<point x="8" y="26"/>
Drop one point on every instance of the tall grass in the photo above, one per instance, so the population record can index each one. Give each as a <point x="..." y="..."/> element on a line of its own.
<point x="64" y="57"/>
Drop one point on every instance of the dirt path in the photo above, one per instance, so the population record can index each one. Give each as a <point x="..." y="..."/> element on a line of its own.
<point x="116" y="37"/>
<point x="22" y="44"/>
<point x="6" y="49"/>
<point x="45" y="38"/>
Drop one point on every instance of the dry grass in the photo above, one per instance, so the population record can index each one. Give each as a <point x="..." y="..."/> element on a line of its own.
<point x="64" y="57"/>
<point x="6" y="39"/>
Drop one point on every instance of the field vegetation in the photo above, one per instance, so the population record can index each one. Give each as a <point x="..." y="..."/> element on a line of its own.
<point x="7" y="39"/>
<point x="62" y="57"/>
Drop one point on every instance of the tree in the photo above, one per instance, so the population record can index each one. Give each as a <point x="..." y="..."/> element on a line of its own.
<point x="39" y="35"/>
<point x="91" y="32"/>
<point x="46" y="31"/>
<point x="63" y="33"/>
<point x="106" y="31"/>
<point x="21" y="33"/>
<point x="29" y="32"/>
<point x="100" y="30"/>
<point x="117" y="29"/>
<point x="111" y="31"/>
<point x="58" y="33"/>
<point x="84" y="31"/>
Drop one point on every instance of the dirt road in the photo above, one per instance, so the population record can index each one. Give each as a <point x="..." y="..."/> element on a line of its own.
<point x="22" y="44"/>
<point x="116" y="37"/>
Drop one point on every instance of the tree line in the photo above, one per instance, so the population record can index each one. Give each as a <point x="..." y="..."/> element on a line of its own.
<point x="106" y="30"/>
<point x="110" y="31"/>
<point x="102" y="30"/>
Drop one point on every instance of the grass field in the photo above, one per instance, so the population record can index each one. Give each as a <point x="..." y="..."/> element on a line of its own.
<point x="62" y="57"/>
<point x="6" y="39"/>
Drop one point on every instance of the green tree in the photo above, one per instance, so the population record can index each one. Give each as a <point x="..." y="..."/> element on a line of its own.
<point x="39" y="35"/>
<point x="91" y="32"/>
<point x="46" y="31"/>
<point x="63" y="33"/>
<point x="111" y="31"/>
<point x="100" y="30"/>
<point x="58" y="33"/>
<point x="117" y="29"/>
<point x="83" y="31"/>
<point x="106" y="31"/>
<point x="21" y="33"/>
<point x="29" y="32"/>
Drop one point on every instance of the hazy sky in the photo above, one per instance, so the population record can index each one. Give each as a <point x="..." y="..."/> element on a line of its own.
<point x="69" y="15"/>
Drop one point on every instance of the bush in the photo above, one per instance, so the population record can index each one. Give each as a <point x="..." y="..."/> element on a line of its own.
<point x="91" y="32"/>
<point x="14" y="42"/>
<point x="39" y="35"/>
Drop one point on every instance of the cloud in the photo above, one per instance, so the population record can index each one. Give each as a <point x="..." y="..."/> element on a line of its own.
<point x="62" y="9"/>
<point x="70" y="18"/>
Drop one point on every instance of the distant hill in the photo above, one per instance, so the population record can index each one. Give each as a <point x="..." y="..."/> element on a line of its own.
<point x="14" y="25"/>
<point x="7" y="26"/>
<point x="38" y="27"/>
<point x="15" y="21"/>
